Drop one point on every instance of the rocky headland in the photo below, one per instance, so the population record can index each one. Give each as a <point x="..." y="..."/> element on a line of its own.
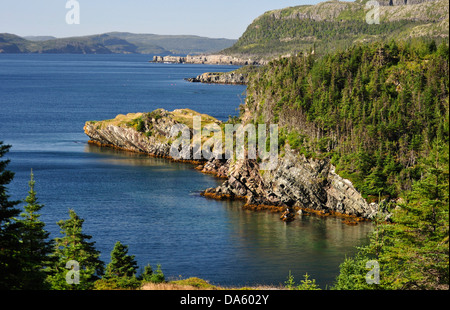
<point x="297" y="184"/>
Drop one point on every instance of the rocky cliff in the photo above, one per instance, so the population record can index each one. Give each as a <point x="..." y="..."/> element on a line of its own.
<point x="335" y="25"/>
<point x="401" y="2"/>
<point x="148" y="133"/>
<point x="297" y="184"/>
<point x="122" y="133"/>
<point x="208" y="60"/>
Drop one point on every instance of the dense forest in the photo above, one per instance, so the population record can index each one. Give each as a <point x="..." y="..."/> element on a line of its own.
<point x="375" y="109"/>
<point x="380" y="112"/>
<point x="278" y="37"/>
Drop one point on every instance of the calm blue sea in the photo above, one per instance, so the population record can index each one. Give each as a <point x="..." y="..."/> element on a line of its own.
<point x="152" y="205"/>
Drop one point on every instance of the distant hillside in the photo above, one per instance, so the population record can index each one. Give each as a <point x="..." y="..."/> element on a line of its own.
<point x="39" y="38"/>
<point x="175" y="44"/>
<point x="332" y="25"/>
<point x="113" y="43"/>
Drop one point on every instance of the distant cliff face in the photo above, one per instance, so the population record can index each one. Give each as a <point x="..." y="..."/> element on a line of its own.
<point x="297" y="183"/>
<point x="208" y="60"/>
<point x="334" y="25"/>
<point x="401" y="2"/>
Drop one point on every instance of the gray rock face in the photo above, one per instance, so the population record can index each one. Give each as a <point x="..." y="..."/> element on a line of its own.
<point x="128" y="138"/>
<point x="209" y="60"/>
<point x="296" y="182"/>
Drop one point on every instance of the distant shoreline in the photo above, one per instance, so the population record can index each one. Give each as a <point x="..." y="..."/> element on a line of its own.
<point x="208" y="60"/>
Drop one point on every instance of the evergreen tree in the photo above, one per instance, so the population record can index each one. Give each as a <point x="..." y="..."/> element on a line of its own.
<point x="420" y="238"/>
<point x="76" y="252"/>
<point x="9" y="229"/>
<point x="122" y="264"/>
<point x="147" y="274"/>
<point x="158" y="277"/>
<point x="413" y="251"/>
<point x="35" y="246"/>
<point x="121" y="271"/>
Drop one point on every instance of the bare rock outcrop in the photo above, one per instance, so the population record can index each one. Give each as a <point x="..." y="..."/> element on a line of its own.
<point x="208" y="60"/>
<point x="297" y="183"/>
<point x="220" y="78"/>
<point x="120" y="133"/>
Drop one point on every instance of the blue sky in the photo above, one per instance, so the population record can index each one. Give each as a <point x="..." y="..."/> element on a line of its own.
<point x="210" y="18"/>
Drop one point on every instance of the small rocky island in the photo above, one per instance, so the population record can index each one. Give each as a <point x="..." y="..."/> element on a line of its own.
<point x="297" y="184"/>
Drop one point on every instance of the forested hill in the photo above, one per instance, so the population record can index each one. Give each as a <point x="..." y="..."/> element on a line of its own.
<point x="336" y="25"/>
<point x="114" y="43"/>
<point x="376" y="109"/>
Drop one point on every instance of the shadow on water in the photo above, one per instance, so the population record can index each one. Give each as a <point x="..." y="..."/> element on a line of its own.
<point x="118" y="157"/>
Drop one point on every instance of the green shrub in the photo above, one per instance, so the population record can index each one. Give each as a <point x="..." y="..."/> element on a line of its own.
<point x="306" y="284"/>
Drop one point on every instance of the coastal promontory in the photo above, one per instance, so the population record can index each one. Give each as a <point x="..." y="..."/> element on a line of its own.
<point x="297" y="184"/>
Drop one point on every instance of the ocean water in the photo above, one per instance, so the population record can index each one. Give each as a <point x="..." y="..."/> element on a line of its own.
<point x="150" y="204"/>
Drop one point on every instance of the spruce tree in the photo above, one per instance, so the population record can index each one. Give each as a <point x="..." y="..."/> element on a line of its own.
<point x="423" y="225"/>
<point x="122" y="264"/>
<point x="9" y="229"/>
<point x="35" y="245"/>
<point x="147" y="274"/>
<point x="121" y="271"/>
<point x="413" y="251"/>
<point x="77" y="264"/>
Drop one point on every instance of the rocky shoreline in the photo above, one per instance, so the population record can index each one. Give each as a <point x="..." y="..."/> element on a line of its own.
<point x="297" y="184"/>
<point x="208" y="60"/>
